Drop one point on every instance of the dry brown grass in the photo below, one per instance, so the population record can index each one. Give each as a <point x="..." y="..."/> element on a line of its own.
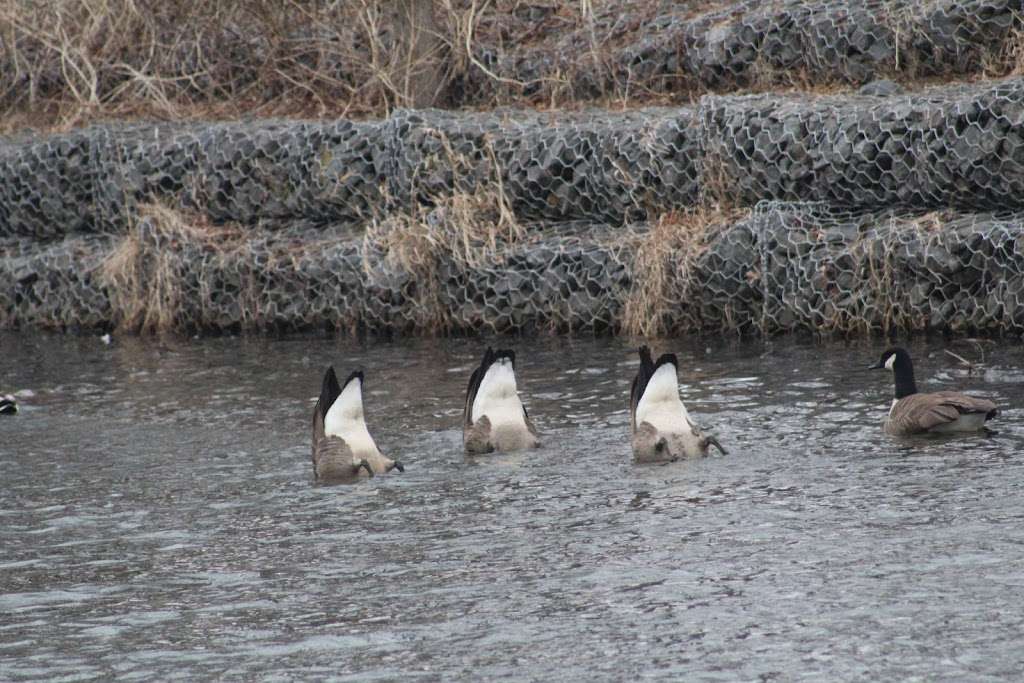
<point x="1008" y="58"/>
<point x="877" y="296"/>
<point x="68" y="62"/>
<point x="144" y="273"/>
<point x="664" y="280"/>
<point x="468" y="228"/>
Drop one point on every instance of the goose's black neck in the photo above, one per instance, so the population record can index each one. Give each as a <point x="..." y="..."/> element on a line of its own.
<point x="903" y="371"/>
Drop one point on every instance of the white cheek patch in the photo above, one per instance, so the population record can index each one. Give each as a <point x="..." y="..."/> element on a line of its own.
<point x="889" y="363"/>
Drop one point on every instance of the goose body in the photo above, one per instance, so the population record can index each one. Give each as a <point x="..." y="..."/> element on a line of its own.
<point x="494" y="419"/>
<point x="343" y="450"/>
<point x="661" y="426"/>
<point x="939" y="412"/>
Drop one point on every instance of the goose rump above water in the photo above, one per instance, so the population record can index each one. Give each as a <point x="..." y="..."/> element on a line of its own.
<point x="343" y="450"/>
<point x="494" y="419"/>
<point x="662" y="428"/>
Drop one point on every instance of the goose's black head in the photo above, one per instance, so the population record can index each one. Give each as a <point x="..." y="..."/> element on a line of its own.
<point x="898" y="360"/>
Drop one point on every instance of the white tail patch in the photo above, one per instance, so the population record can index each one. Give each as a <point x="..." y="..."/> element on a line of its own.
<point x="969" y="422"/>
<point x="345" y="418"/>
<point x="497" y="397"/>
<point x="660" y="405"/>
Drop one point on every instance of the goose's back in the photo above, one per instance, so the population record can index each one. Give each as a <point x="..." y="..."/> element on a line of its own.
<point x="484" y="437"/>
<point x="939" y="411"/>
<point x="333" y="459"/>
<point x="687" y="442"/>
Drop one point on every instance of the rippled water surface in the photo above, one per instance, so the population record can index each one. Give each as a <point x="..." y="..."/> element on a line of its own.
<point x="158" y="522"/>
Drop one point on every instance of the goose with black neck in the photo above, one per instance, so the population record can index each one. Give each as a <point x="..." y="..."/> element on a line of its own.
<point x="938" y="412"/>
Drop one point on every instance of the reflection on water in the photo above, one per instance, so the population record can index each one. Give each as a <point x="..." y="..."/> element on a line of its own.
<point x="157" y="519"/>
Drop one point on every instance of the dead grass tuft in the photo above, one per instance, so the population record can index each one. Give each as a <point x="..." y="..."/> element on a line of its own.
<point x="71" y="61"/>
<point x="1008" y="57"/>
<point x="144" y="273"/>
<point x="877" y="295"/>
<point x="664" y="278"/>
<point x="65" y="63"/>
<point x="468" y="228"/>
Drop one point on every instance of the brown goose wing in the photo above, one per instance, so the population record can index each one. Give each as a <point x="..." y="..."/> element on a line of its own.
<point x="921" y="412"/>
<point x="477" y="436"/>
<point x="333" y="457"/>
<point x="968" y="404"/>
<point x="474" y="384"/>
<point x="643" y="376"/>
<point x="318" y="430"/>
<point x="329" y="452"/>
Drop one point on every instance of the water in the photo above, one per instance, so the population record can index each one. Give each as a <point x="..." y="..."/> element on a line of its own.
<point x="157" y="520"/>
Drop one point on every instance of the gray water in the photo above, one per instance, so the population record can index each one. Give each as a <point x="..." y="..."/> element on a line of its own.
<point x="158" y="522"/>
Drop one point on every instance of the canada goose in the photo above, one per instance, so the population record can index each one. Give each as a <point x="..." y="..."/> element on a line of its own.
<point x="8" y="406"/>
<point x="494" y="417"/>
<point x="942" y="411"/>
<point x="343" y="449"/>
<point x="662" y="429"/>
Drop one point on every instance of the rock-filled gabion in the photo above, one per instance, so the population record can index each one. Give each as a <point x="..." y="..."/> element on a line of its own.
<point x="752" y="42"/>
<point x="302" y="280"/>
<point x="956" y="147"/>
<point x="54" y="284"/>
<point x="906" y="214"/>
<point x="784" y="267"/>
<point x="609" y="167"/>
<point x="91" y="180"/>
<point x="823" y="269"/>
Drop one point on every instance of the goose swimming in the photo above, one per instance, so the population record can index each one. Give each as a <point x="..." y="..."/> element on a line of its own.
<point x="494" y="419"/>
<point x="939" y="412"/>
<point x="343" y="449"/>
<point x="662" y="428"/>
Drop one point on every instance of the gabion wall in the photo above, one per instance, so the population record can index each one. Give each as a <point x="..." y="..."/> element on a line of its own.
<point x="609" y="167"/>
<point x="810" y="267"/>
<point x="890" y="222"/>
<point x="960" y="147"/>
<point x="784" y="267"/>
<point x="304" y="280"/>
<point x="953" y="147"/>
<point x="752" y="42"/>
<point x="91" y="180"/>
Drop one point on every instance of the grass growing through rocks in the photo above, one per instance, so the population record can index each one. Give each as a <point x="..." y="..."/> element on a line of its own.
<point x="468" y="228"/>
<point x="144" y="274"/>
<point x="860" y="287"/>
<point x="65" y="63"/>
<point x="663" y="265"/>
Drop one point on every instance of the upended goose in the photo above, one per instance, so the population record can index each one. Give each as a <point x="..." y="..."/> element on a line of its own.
<point x="343" y="449"/>
<point x="494" y="417"/>
<point x="662" y="429"/>
<point x="938" y="412"/>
